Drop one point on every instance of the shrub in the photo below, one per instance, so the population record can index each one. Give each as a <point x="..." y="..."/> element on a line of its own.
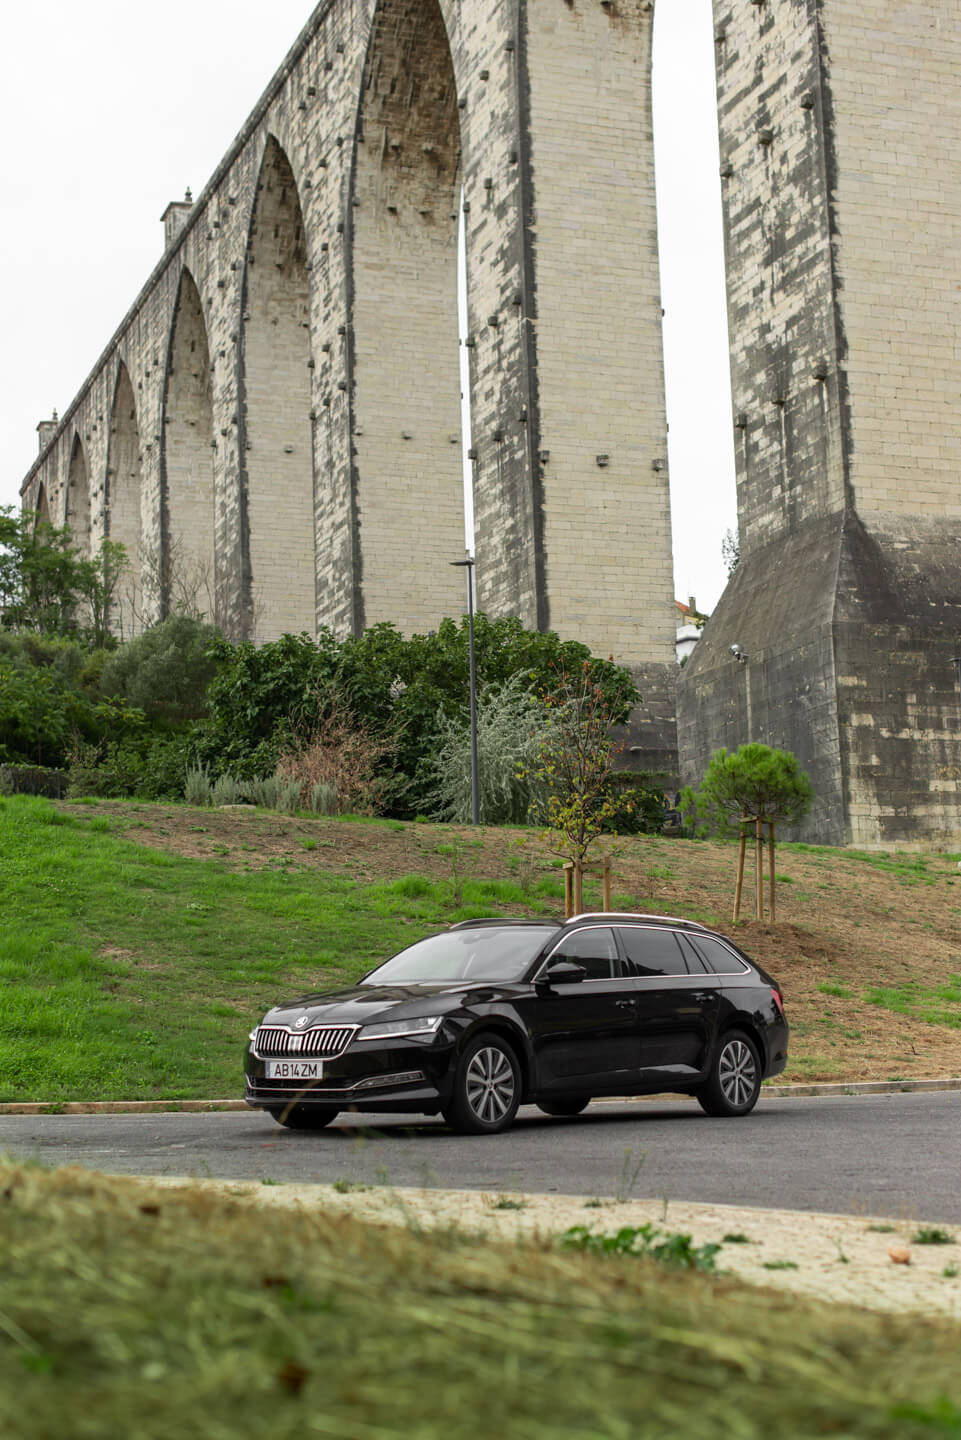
<point x="165" y="671"/>
<point x="340" y="754"/>
<point x="197" y="786"/>
<point x="511" y="728"/>
<point x="228" y="790"/>
<point x="638" y="804"/>
<point x="33" y="780"/>
<point x="323" y="798"/>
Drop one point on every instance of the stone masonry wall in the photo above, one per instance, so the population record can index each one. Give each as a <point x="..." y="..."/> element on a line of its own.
<point x="313" y="475"/>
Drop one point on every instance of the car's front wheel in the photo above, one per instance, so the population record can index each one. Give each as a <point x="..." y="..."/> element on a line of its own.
<point x="487" y="1088"/>
<point x="735" y="1080"/>
<point x="572" y="1105"/>
<point x="303" y="1117"/>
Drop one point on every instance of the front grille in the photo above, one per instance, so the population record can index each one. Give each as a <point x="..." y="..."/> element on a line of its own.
<point x="272" y="1041"/>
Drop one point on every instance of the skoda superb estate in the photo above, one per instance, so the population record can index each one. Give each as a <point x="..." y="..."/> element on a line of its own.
<point x="492" y="1014"/>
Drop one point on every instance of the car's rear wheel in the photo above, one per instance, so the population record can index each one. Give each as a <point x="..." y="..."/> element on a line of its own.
<point x="303" y="1117"/>
<point x="487" y="1088"/>
<point x="571" y="1106"/>
<point x="735" y="1079"/>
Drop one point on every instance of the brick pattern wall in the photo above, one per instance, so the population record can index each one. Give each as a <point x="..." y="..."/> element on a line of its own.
<point x="77" y="498"/>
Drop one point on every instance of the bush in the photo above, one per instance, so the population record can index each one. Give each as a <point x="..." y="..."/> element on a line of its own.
<point x="165" y="671"/>
<point x="323" y="798"/>
<point x="197" y="786"/>
<point x="341" y="755"/>
<point x="638" y="804"/>
<point x="33" y="780"/>
<point x="511" y="726"/>
<point x="227" y="790"/>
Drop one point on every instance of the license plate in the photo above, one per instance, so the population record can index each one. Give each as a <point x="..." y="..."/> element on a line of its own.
<point x="295" y="1069"/>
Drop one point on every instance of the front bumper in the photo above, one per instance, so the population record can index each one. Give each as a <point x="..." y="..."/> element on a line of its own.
<point x="406" y="1076"/>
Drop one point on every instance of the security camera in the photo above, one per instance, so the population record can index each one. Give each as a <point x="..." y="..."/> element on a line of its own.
<point x="735" y="651"/>
<point x="741" y="656"/>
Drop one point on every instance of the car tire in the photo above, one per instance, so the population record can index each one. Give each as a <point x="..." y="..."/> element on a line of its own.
<point x="303" y="1117"/>
<point x="572" y="1106"/>
<point x="735" y="1080"/>
<point x="487" y="1088"/>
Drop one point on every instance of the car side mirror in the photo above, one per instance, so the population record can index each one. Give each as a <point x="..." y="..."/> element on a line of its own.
<point x="565" y="972"/>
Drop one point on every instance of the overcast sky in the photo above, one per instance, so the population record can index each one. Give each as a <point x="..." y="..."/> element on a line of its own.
<point x="110" y="109"/>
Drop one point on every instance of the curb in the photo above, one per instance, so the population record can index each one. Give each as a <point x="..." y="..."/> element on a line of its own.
<point x="152" y="1107"/>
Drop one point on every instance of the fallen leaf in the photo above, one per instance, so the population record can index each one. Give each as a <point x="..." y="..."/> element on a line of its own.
<point x="900" y="1254"/>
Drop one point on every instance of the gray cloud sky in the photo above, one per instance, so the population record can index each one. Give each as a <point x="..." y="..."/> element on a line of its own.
<point x="110" y="109"/>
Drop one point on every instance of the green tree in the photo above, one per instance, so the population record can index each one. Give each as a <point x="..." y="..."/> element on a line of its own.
<point x="165" y="671"/>
<point x="47" y="585"/>
<point x="753" y="783"/>
<point x="573" y="795"/>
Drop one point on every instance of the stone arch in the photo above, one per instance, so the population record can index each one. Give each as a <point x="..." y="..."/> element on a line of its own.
<point x="278" y="455"/>
<point x="406" y="422"/>
<point x="41" y="511"/>
<point x="78" y="497"/>
<point x="122" y="498"/>
<point x="187" y="530"/>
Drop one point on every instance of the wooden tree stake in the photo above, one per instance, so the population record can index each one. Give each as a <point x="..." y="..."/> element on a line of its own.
<point x="578" y="887"/>
<point x="740" y="871"/>
<point x="759" y="869"/>
<point x="606" y="882"/>
<point x="568" y="889"/>
<point x="770" y="839"/>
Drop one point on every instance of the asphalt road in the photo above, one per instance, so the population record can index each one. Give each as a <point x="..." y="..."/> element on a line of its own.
<point x="895" y="1155"/>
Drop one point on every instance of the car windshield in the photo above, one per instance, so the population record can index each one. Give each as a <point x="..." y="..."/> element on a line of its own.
<point x="496" y="952"/>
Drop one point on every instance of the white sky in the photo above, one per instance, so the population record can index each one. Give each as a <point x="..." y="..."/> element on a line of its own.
<point x="110" y="111"/>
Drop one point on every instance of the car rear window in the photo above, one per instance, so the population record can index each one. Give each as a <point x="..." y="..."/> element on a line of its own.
<point x="716" y="956"/>
<point x="652" y="951"/>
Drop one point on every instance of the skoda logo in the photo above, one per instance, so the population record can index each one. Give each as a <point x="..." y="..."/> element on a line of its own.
<point x="304" y="1019"/>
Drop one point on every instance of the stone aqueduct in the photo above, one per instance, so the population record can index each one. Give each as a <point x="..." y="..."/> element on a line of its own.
<point x="275" y="425"/>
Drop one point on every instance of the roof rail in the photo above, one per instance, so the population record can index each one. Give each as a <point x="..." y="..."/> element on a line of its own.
<point x="634" y="915"/>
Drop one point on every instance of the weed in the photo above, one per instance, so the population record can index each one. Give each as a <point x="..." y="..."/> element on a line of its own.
<point x="780" y="1265"/>
<point x="842" y="1258"/>
<point x="736" y="1238"/>
<point x="883" y="1229"/>
<point x="344" y="1187"/>
<point x="951" y="1271"/>
<point x="507" y="1202"/>
<point x="647" y="1241"/>
<point x="309" y="844"/>
<point x="841" y="991"/>
<point x="932" y="1235"/>
<point x="630" y="1169"/>
<point x="595" y="1203"/>
<point x="267" y="1180"/>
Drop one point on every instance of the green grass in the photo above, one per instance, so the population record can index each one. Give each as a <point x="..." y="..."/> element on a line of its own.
<point x="936" y="1004"/>
<point x="129" y="973"/>
<point x="131" y="1310"/>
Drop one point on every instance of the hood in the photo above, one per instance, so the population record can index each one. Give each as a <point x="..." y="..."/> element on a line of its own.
<point x="360" y="1004"/>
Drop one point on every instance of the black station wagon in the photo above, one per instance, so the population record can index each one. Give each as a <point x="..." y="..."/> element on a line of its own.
<point x="492" y="1014"/>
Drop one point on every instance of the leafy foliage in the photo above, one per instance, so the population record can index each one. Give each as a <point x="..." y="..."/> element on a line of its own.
<point x="574" y="798"/>
<point x="512" y="726"/>
<point x="754" y="781"/>
<point x="645" y="1241"/>
<point x="165" y="671"/>
<point x="403" y="690"/>
<point x="49" y="586"/>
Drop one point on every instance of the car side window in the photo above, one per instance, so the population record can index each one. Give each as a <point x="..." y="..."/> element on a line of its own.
<point x="694" y="962"/>
<point x="593" y="949"/>
<point x="652" y="951"/>
<point x="717" y="957"/>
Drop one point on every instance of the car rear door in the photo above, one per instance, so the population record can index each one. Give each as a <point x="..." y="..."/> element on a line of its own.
<point x="584" y="1034"/>
<point x="677" y="1003"/>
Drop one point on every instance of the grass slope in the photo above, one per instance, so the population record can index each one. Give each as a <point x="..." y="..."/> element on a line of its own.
<point x="128" y="1310"/>
<point x="129" y="973"/>
<point x="138" y="943"/>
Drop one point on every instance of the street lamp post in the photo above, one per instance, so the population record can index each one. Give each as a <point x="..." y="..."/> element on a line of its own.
<point x="468" y="565"/>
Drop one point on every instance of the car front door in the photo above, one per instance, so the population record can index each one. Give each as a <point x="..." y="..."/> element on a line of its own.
<point x="584" y="1033"/>
<point x="676" y="1009"/>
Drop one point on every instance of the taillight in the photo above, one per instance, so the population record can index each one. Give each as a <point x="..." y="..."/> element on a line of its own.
<point x="778" y="999"/>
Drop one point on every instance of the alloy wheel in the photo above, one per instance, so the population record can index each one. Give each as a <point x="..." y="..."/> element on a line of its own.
<point x="737" y="1073"/>
<point x="490" y="1085"/>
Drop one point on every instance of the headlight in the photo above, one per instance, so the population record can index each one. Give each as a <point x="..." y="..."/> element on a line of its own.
<point x="420" y="1028"/>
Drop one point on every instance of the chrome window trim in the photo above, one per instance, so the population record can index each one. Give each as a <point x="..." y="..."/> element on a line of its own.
<point x="603" y="980"/>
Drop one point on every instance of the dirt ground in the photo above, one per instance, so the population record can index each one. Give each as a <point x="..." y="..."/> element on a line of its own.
<point x="844" y="921"/>
<point x="852" y="1258"/>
